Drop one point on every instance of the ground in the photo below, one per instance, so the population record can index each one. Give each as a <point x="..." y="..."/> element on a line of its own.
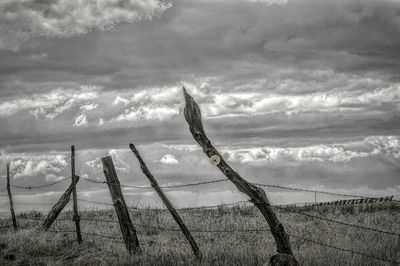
<point x="228" y="243"/>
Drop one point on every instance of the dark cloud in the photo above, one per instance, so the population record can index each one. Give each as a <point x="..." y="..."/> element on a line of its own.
<point x="296" y="78"/>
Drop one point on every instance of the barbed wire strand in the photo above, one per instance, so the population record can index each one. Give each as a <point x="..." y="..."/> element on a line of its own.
<point x="277" y="207"/>
<point x="30" y="203"/>
<point x="253" y="230"/>
<point x="345" y="250"/>
<point x="163" y="186"/>
<point x="257" y="184"/>
<point x="40" y="186"/>
<point x="5" y="226"/>
<point x="218" y="231"/>
<point x="179" y="209"/>
<point x="336" y="221"/>
<point x="84" y="233"/>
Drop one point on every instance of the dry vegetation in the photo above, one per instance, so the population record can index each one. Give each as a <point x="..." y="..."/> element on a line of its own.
<point x="31" y="246"/>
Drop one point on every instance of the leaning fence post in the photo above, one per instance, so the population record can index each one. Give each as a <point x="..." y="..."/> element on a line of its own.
<point x="258" y="197"/>
<point x="125" y="222"/>
<point x="59" y="206"/>
<point x="75" y="200"/>
<point x="167" y="203"/>
<point x="14" y="221"/>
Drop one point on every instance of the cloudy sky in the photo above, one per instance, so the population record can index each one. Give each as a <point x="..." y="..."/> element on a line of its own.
<point x="302" y="93"/>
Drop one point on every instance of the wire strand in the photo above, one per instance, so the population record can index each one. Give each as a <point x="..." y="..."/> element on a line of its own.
<point x="336" y="221"/>
<point x="344" y="250"/>
<point x="40" y="186"/>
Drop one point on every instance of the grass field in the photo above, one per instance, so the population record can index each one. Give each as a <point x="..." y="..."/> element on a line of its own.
<point x="30" y="246"/>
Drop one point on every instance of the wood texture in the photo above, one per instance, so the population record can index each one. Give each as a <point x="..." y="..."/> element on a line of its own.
<point x="167" y="203"/>
<point x="125" y="222"/>
<point x="258" y="197"/>
<point x="59" y="206"/>
<point x="76" y="217"/>
<point x="14" y="220"/>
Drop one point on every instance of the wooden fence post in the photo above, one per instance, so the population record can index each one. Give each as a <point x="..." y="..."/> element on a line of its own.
<point x="14" y="220"/>
<point x="167" y="203"/>
<point x="59" y="206"/>
<point x="258" y="197"/>
<point x="125" y="222"/>
<point x="75" y="199"/>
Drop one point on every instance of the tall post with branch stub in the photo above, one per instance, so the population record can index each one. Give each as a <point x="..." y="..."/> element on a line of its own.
<point x="125" y="222"/>
<point x="59" y="206"/>
<point x="258" y="197"/>
<point x="76" y="217"/>
<point x="14" y="220"/>
<point x="167" y="203"/>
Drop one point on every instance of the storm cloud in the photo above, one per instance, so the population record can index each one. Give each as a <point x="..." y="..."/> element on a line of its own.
<point x="300" y="93"/>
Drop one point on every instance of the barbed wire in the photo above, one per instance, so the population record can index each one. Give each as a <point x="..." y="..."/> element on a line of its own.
<point x="30" y="203"/>
<point x="162" y="186"/>
<point x="237" y="203"/>
<point x="233" y="230"/>
<point x="257" y="184"/>
<point x="5" y="226"/>
<point x="95" y="202"/>
<point x="40" y="219"/>
<point x="277" y="207"/>
<point x="336" y="221"/>
<point x="93" y="180"/>
<point x="315" y="191"/>
<point x="84" y="233"/>
<point x="179" y="209"/>
<point x="200" y="183"/>
<point x="345" y="250"/>
<point x="244" y="231"/>
<point x="213" y="206"/>
<point x="40" y="186"/>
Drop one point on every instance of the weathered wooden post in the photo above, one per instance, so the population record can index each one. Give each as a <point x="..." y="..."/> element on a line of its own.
<point x="258" y="197"/>
<point x="59" y="206"/>
<point x="14" y="221"/>
<point x="167" y="203"/>
<point x="75" y="199"/>
<point x="125" y="222"/>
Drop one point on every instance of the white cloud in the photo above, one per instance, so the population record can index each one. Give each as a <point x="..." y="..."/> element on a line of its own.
<point x="94" y="164"/>
<point x="101" y="122"/>
<point x="338" y="152"/>
<point x="336" y="100"/>
<point x="182" y="147"/>
<point x="166" y="103"/>
<point x="23" y="20"/>
<point x="49" y="105"/>
<point x="119" y="100"/>
<point x="88" y="107"/>
<point x="81" y="121"/>
<point x="148" y="113"/>
<point x="33" y="164"/>
<point x="53" y="178"/>
<point x="169" y="159"/>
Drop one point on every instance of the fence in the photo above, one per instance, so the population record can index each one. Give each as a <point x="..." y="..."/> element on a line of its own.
<point x="257" y="198"/>
<point x="296" y="211"/>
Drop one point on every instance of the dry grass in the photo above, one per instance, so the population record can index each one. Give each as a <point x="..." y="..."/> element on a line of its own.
<point x="31" y="246"/>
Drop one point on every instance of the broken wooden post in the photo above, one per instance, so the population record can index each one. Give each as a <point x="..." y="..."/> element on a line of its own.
<point x="59" y="206"/>
<point x="167" y="203"/>
<point x="75" y="199"/>
<point x="125" y="222"/>
<point x="258" y="197"/>
<point x="14" y="220"/>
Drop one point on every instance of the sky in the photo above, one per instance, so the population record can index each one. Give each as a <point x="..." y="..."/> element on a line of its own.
<point x="298" y="93"/>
